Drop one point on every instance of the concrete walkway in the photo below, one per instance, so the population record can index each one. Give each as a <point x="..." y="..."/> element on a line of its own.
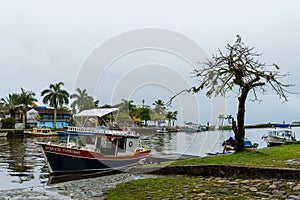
<point x="220" y="171"/>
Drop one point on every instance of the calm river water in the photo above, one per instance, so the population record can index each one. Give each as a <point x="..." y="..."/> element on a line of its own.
<point x="22" y="164"/>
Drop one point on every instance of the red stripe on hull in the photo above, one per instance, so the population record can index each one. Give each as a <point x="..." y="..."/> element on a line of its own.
<point x="87" y="154"/>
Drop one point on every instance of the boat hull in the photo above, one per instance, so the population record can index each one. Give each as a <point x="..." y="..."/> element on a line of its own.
<point x="193" y="130"/>
<point x="40" y="132"/>
<point x="272" y="144"/>
<point x="161" y="131"/>
<point x="275" y="141"/>
<point x="63" y="160"/>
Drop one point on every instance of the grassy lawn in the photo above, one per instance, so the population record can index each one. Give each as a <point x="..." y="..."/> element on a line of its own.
<point x="168" y="187"/>
<point x="269" y="157"/>
<point x="191" y="187"/>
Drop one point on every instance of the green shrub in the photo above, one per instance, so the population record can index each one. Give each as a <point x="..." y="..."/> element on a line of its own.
<point x="8" y="122"/>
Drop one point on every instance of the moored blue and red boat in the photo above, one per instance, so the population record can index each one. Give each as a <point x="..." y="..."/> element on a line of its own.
<point x="94" y="149"/>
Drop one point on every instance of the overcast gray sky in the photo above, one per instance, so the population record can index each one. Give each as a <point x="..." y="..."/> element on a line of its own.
<point x="42" y="42"/>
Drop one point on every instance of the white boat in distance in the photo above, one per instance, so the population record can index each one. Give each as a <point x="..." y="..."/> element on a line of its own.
<point x="278" y="135"/>
<point x="162" y="130"/>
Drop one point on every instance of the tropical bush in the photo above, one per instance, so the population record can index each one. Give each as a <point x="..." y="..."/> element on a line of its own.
<point x="8" y="122"/>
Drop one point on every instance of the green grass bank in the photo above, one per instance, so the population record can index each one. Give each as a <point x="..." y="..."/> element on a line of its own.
<point x="287" y="155"/>
<point x="213" y="187"/>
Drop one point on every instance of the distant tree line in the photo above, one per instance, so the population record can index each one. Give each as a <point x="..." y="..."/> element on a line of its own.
<point x="57" y="97"/>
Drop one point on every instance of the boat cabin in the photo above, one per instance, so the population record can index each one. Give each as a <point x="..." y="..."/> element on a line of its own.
<point x="104" y="143"/>
<point x="100" y="138"/>
<point x="283" y="133"/>
<point x="41" y="130"/>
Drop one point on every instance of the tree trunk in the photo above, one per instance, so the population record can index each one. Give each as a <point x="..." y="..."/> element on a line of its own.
<point x="240" y="130"/>
<point x="54" y="124"/>
<point x="24" y="119"/>
<point x="222" y="123"/>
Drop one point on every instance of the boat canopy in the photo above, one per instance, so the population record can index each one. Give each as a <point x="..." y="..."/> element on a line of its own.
<point x="247" y="142"/>
<point x="96" y="112"/>
<point x="281" y="125"/>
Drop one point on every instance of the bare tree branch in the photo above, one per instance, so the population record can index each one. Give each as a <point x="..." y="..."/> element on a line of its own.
<point x="239" y="68"/>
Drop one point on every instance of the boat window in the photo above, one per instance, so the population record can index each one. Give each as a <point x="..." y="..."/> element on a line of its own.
<point x="105" y="145"/>
<point x="75" y="141"/>
<point x="98" y="144"/>
<point x="106" y="142"/>
<point x="287" y="134"/>
<point x="281" y="134"/>
<point x="121" y="144"/>
<point x="90" y="139"/>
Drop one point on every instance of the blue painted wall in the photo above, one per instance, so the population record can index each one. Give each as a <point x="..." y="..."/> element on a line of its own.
<point x="49" y="124"/>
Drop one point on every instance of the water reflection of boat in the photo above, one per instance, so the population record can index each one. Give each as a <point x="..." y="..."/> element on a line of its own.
<point x="279" y="134"/>
<point x="93" y="149"/>
<point x="54" y="179"/>
<point x="40" y="132"/>
<point x="3" y="141"/>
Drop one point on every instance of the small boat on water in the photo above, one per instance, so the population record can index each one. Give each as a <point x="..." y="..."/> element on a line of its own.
<point x="89" y="149"/>
<point x="40" y="132"/>
<point x="279" y="134"/>
<point x="162" y="130"/>
<point x="191" y="129"/>
<point x="229" y="144"/>
<point x="165" y="129"/>
<point x="3" y="134"/>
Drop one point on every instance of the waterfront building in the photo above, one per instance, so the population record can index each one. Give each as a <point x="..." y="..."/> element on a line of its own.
<point x="43" y="117"/>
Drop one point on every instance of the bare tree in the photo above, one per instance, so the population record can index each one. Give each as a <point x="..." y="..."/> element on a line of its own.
<point x="238" y="70"/>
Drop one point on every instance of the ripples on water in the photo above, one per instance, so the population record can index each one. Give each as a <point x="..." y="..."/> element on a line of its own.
<point x="22" y="164"/>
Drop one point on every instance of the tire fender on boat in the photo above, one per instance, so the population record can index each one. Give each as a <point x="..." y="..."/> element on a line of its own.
<point x="130" y="143"/>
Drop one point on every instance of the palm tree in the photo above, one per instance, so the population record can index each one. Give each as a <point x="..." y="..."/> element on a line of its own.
<point x="25" y="99"/>
<point x="169" y="117"/>
<point x="127" y="107"/>
<point x="229" y="118"/>
<point x="96" y="104"/>
<point x="55" y="96"/>
<point x="221" y="117"/>
<point x="124" y="105"/>
<point x="10" y="103"/>
<point x="159" y="111"/>
<point x="125" y="111"/>
<point x="174" y="118"/>
<point x="159" y="107"/>
<point x="82" y="100"/>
